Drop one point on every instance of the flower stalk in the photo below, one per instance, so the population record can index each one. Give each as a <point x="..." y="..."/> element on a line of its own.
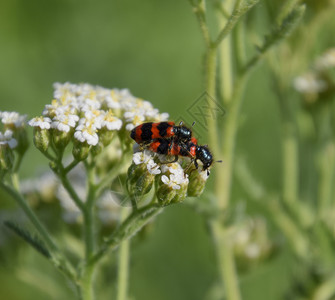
<point x="123" y="267"/>
<point x="232" y="93"/>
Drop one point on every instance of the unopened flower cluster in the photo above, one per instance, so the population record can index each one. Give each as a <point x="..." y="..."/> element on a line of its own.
<point x="319" y="81"/>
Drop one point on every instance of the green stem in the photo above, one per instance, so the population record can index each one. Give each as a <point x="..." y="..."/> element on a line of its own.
<point x="200" y="12"/>
<point x="221" y="8"/>
<point x="224" y="253"/>
<point x="89" y="214"/>
<point x="68" y="186"/>
<point x="286" y="9"/>
<point x="326" y="289"/>
<point x="290" y="165"/>
<point x="226" y="67"/>
<point x="239" y="42"/>
<point x="226" y="261"/>
<point x="294" y="234"/>
<point x="88" y="232"/>
<point x="57" y="258"/>
<point x="211" y="90"/>
<point x="229" y="139"/>
<point x="326" y="167"/>
<point x="123" y="267"/>
<point x="68" y="168"/>
<point x="87" y="279"/>
<point x="49" y="156"/>
<point x="31" y="216"/>
<point x="225" y="53"/>
<point x="134" y="222"/>
<point x="87" y="292"/>
<point x="18" y="163"/>
<point x="238" y="12"/>
<point x="232" y="94"/>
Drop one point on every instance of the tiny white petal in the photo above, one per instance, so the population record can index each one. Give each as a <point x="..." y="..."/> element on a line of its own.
<point x="7" y="139"/>
<point x="165" y="179"/>
<point x="130" y="127"/>
<point x="12" y="143"/>
<point x="153" y="168"/>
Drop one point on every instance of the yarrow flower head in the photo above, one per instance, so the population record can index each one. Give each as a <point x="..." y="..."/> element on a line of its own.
<point x="64" y="122"/>
<point x="142" y="157"/>
<point x="175" y="175"/>
<point x="251" y="241"/>
<point x="141" y="173"/>
<point x="14" y="135"/>
<point x="86" y="131"/>
<point x="87" y="114"/>
<point x="40" y="122"/>
<point x="172" y="184"/>
<point x="12" y="119"/>
<point x="7" y="143"/>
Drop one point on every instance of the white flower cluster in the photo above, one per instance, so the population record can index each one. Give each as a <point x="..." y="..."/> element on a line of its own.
<point x="85" y="110"/>
<point x="175" y="173"/>
<point x="314" y="81"/>
<point x="309" y="83"/>
<point x="6" y="138"/>
<point x="11" y="121"/>
<point x="176" y="176"/>
<point x="146" y="157"/>
<point x="251" y="239"/>
<point x="326" y="61"/>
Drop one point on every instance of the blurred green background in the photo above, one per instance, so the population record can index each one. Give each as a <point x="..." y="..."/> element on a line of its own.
<point x="155" y="49"/>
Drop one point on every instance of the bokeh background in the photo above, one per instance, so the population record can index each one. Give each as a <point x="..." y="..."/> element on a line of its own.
<point x="155" y="49"/>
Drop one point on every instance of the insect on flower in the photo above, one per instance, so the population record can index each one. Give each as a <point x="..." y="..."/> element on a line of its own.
<point x="147" y="132"/>
<point x="190" y="149"/>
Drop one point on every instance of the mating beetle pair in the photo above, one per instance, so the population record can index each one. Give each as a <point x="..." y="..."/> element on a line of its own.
<point x="170" y="139"/>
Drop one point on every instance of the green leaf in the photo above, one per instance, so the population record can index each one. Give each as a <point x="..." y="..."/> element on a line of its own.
<point x="284" y="30"/>
<point x="278" y="34"/>
<point x="33" y="240"/>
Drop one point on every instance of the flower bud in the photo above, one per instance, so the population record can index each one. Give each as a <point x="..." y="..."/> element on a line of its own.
<point x="80" y="150"/>
<point x="41" y="139"/>
<point x="197" y="179"/>
<point x="105" y="137"/>
<point x="6" y="159"/>
<point x="61" y="139"/>
<point x="139" y="180"/>
<point x="97" y="149"/>
<point x="20" y="134"/>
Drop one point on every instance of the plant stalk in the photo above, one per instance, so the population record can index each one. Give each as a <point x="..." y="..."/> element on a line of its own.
<point x="290" y="165"/>
<point x="123" y="267"/>
<point x="225" y="257"/>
